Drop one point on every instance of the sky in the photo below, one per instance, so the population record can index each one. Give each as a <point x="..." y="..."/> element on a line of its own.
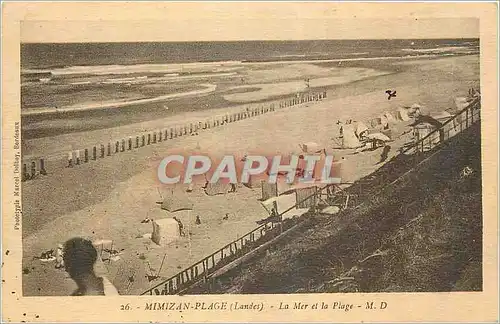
<point x="225" y="23"/>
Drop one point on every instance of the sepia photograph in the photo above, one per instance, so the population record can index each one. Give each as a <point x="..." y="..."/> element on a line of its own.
<point x="250" y="155"/>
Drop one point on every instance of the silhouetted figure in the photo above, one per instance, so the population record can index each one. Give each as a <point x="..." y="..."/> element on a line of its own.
<point x="181" y="226"/>
<point x="198" y="220"/>
<point x="79" y="257"/>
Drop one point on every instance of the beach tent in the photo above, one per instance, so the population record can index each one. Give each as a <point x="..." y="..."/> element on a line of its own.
<point x="390" y="118"/>
<point x="309" y="147"/>
<point x="269" y="190"/>
<point x="375" y="122"/>
<point x="383" y="121"/>
<point x="349" y="139"/>
<point x="402" y="114"/>
<point x="415" y="110"/>
<point x="283" y="203"/>
<point x="461" y="102"/>
<point x="165" y="230"/>
<point x="360" y="129"/>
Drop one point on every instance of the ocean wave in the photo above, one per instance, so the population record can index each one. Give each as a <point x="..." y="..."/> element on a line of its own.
<point x="138" y="68"/>
<point x="436" y="49"/>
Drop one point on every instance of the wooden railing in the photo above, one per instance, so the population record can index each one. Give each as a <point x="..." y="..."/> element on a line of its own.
<point x="456" y="124"/>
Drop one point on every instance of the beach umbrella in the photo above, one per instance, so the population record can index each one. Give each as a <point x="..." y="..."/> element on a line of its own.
<point x="427" y="119"/>
<point x="442" y="115"/>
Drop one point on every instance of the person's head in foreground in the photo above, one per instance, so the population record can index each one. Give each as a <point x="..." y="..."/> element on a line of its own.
<point x="80" y="256"/>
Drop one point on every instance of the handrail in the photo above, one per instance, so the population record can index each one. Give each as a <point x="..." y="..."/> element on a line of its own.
<point x="437" y="130"/>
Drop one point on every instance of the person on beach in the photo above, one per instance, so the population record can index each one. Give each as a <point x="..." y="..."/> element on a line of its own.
<point x="181" y="226"/>
<point x="79" y="256"/>
<point x="198" y="220"/>
<point x="59" y="257"/>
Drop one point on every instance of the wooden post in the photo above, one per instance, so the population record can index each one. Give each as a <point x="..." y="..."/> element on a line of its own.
<point x="129" y="143"/>
<point x="86" y="155"/>
<point x="42" y="167"/>
<point x="94" y="153"/>
<point x="190" y="128"/>
<point x="33" y="169"/>
<point x="25" y="175"/>
<point x="160" y="133"/>
<point x="123" y="145"/>
<point x="143" y="140"/>
<point x="185" y="130"/>
<point x="166" y="134"/>
<point x="77" y="154"/>
<point x="149" y="138"/>
<point x="117" y="146"/>
<point x="103" y="151"/>
<point x="154" y="137"/>
<point x="171" y="133"/>
<point x="109" y="149"/>
<point x="70" y="160"/>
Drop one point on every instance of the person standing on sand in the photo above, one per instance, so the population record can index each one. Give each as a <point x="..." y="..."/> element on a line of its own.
<point x="59" y="257"/>
<point x="79" y="257"/>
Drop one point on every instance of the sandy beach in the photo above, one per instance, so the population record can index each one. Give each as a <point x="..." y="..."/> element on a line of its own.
<point x="107" y="199"/>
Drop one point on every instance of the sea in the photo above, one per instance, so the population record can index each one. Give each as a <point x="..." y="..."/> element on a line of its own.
<point x="77" y="70"/>
<point x="56" y="56"/>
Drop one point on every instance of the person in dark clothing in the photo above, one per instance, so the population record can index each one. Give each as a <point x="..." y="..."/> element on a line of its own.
<point x="198" y="220"/>
<point x="79" y="257"/>
<point x="181" y="226"/>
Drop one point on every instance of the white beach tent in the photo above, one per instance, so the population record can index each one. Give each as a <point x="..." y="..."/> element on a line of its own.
<point x="165" y="230"/>
<point x="402" y="114"/>
<point x="361" y="128"/>
<point x="284" y="202"/>
<point x="349" y="139"/>
<point x="461" y="102"/>
<point x="383" y="121"/>
<point x="309" y="147"/>
<point x="390" y="118"/>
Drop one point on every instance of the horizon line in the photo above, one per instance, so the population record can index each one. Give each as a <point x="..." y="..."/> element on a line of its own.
<point x="253" y="40"/>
